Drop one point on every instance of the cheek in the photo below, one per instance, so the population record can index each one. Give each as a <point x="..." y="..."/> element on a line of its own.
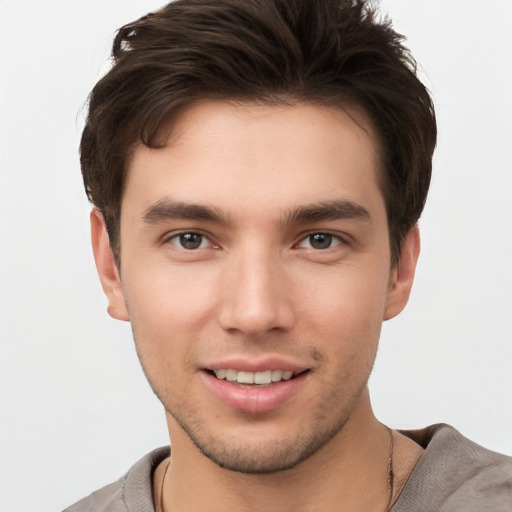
<point x="172" y="311"/>
<point x="170" y="299"/>
<point x="344" y="317"/>
<point x="348" y="300"/>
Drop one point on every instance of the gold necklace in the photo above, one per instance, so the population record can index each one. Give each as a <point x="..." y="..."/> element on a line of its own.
<point x="391" y="474"/>
<point x="391" y="477"/>
<point x="160" y="507"/>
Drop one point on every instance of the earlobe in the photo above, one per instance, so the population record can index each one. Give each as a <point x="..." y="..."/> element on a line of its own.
<point x="107" y="267"/>
<point x="402" y="276"/>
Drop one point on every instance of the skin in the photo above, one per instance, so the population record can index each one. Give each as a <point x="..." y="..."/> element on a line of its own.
<point x="260" y="288"/>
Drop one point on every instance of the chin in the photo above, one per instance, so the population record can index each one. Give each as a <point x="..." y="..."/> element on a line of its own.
<point x="258" y="454"/>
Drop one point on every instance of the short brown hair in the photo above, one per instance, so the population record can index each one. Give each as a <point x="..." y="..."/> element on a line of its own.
<point x="334" y="52"/>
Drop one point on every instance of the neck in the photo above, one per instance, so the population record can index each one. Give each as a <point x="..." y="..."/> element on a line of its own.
<point x="349" y="473"/>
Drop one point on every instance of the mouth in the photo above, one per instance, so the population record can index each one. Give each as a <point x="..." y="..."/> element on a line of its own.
<point x="260" y="379"/>
<point x="256" y="387"/>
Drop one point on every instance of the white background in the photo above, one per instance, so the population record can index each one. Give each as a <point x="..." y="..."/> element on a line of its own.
<point x="76" y="411"/>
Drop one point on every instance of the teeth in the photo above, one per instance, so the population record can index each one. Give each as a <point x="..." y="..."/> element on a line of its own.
<point x="230" y="375"/>
<point x="266" y="377"/>
<point x="263" y="377"/>
<point x="221" y="374"/>
<point x="245" y="378"/>
<point x="277" y="375"/>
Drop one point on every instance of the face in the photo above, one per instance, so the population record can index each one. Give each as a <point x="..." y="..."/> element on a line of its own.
<point x="256" y="275"/>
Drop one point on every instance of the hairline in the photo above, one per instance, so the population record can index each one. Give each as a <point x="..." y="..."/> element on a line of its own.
<point x="354" y="109"/>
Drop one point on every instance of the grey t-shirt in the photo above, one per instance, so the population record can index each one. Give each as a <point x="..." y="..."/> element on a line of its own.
<point x="453" y="475"/>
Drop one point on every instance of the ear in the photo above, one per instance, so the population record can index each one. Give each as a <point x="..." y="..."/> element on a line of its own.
<point x="107" y="267"/>
<point x="402" y="275"/>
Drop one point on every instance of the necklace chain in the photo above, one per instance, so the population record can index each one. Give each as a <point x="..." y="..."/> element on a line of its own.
<point x="391" y="474"/>
<point x="160" y="507"/>
<point x="390" y="481"/>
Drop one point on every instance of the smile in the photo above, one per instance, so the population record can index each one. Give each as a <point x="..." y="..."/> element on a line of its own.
<point x="261" y="378"/>
<point x="255" y="392"/>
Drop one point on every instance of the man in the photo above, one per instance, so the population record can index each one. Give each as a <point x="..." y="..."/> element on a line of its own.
<point x="257" y="171"/>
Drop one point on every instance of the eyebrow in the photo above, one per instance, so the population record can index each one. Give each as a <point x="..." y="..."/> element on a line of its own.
<point x="167" y="209"/>
<point x="329" y="210"/>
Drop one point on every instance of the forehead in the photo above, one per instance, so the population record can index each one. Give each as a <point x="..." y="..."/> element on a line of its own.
<point x="238" y="156"/>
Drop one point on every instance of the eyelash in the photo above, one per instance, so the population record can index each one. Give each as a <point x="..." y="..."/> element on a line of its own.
<point x="178" y="240"/>
<point x="179" y="236"/>
<point x="330" y="236"/>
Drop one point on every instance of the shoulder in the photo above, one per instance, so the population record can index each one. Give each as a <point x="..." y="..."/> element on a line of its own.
<point x="132" y="492"/>
<point x="455" y="474"/>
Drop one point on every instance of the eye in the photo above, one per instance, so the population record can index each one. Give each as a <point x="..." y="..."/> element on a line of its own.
<point x="190" y="241"/>
<point x="320" y="241"/>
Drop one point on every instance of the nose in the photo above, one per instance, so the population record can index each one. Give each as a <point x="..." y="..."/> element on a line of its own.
<point x="256" y="298"/>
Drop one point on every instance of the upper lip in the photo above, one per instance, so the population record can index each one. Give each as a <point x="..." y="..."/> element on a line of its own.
<point x="257" y="365"/>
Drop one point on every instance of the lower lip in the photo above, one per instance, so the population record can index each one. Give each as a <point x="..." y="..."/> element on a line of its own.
<point x="254" y="399"/>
